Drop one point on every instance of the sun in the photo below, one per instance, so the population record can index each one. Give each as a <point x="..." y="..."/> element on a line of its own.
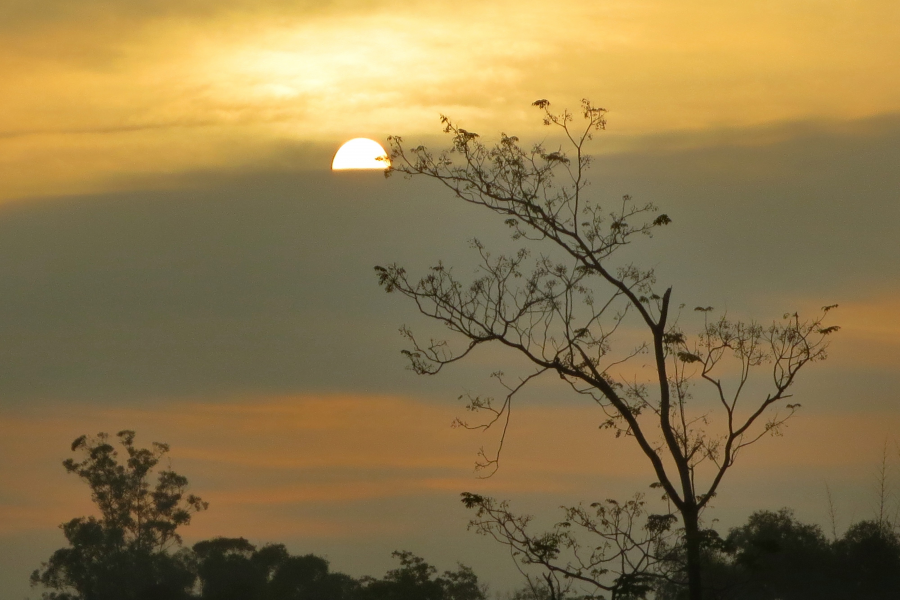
<point x="360" y="153"/>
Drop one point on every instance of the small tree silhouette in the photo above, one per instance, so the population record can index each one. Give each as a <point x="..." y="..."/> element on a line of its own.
<point x="124" y="554"/>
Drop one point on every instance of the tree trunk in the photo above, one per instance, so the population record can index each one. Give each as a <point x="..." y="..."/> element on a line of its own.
<point x="692" y="541"/>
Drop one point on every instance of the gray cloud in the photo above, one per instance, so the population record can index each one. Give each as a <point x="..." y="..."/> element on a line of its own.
<point x="816" y="212"/>
<point x="262" y="285"/>
<point x="263" y="282"/>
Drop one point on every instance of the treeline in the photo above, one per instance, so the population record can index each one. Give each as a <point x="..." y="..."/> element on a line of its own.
<point x="133" y="551"/>
<point x="235" y="569"/>
<point x="776" y="557"/>
<point x="772" y="557"/>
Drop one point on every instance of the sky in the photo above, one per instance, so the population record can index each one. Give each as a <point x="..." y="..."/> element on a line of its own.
<point x="176" y="257"/>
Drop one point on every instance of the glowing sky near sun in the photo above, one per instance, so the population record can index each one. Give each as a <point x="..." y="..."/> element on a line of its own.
<point x="199" y="85"/>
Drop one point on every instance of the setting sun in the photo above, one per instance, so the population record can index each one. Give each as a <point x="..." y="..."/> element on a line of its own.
<point x="360" y="153"/>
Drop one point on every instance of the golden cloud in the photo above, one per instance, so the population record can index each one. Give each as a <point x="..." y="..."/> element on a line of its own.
<point x="198" y="85"/>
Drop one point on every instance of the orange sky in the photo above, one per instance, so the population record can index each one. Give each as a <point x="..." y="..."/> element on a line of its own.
<point x="251" y="454"/>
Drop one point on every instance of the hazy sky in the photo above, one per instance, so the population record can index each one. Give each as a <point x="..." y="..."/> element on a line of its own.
<point x="176" y="258"/>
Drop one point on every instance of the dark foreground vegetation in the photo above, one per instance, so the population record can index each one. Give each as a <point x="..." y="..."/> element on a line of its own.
<point x="133" y="551"/>
<point x="776" y="557"/>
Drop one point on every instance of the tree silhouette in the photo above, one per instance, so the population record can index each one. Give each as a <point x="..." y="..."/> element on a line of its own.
<point x="564" y="314"/>
<point x="775" y="556"/>
<point x="418" y="580"/>
<point x="868" y="559"/>
<point x="233" y="569"/>
<point x="307" y="578"/>
<point x="780" y="557"/>
<point x="226" y="571"/>
<point x="125" y="553"/>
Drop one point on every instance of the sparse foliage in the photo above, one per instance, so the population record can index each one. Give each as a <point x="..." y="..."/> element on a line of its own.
<point x="609" y="547"/>
<point x="564" y="313"/>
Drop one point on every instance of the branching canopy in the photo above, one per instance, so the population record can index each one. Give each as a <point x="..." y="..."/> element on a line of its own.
<point x="565" y="299"/>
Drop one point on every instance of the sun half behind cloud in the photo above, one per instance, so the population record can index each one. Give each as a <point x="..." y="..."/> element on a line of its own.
<point x="360" y="153"/>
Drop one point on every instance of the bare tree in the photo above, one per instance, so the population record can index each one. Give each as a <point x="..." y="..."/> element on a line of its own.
<point x="564" y="314"/>
<point x="832" y="513"/>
